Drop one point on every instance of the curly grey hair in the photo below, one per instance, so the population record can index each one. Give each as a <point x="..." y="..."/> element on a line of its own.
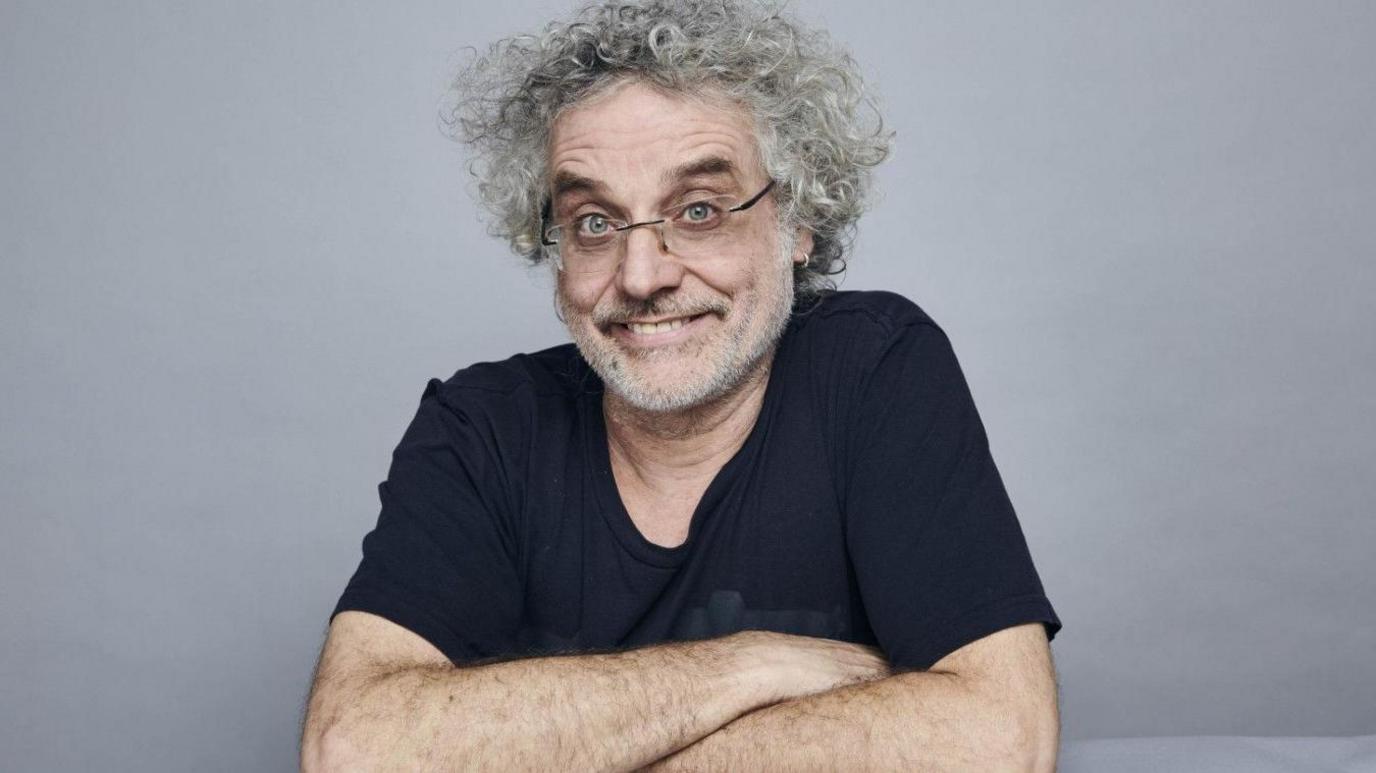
<point x="816" y="126"/>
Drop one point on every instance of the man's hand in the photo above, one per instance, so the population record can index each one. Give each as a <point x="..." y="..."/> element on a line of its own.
<point x="798" y="666"/>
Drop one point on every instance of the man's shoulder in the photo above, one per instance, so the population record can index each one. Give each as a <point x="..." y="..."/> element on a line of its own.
<point x="557" y="372"/>
<point x="864" y="313"/>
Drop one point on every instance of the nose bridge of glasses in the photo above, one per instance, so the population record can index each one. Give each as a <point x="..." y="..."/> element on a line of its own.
<point x="656" y="227"/>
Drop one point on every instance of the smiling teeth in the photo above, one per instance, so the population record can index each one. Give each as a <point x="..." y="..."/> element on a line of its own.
<point x="650" y="329"/>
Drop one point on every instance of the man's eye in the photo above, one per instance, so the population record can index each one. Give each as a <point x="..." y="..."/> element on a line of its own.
<point x="594" y="225"/>
<point x="699" y="212"/>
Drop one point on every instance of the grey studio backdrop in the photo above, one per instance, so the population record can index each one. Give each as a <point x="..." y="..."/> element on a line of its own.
<point x="235" y="246"/>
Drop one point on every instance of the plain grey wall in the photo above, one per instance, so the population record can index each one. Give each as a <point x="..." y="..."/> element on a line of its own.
<point x="235" y="245"/>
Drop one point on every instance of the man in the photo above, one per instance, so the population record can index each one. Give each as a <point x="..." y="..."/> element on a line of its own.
<point x="742" y="522"/>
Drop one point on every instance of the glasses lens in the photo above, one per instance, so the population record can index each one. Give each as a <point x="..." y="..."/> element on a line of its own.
<point x="694" y="241"/>
<point x="700" y="229"/>
<point x="582" y="259"/>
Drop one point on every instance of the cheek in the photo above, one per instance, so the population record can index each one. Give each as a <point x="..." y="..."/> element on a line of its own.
<point x="728" y="280"/>
<point x="742" y="273"/>
<point x="577" y="297"/>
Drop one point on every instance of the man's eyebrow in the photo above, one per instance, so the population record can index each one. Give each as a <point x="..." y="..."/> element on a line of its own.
<point x="703" y="167"/>
<point x="568" y="182"/>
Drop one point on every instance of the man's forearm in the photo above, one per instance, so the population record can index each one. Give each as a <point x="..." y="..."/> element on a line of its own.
<point x="615" y="711"/>
<point x="908" y="721"/>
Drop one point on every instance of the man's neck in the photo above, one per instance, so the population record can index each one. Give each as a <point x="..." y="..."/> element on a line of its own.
<point x="664" y="450"/>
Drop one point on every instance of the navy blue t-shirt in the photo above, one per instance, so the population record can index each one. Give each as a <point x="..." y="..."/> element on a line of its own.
<point x="864" y="506"/>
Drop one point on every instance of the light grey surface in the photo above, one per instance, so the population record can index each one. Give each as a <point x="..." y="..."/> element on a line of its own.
<point x="1220" y="754"/>
<point x="235" y="245"/>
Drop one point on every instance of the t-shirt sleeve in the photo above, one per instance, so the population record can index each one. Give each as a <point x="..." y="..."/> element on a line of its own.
<point x="939" y="555"/>
<point x="441" y="560"/>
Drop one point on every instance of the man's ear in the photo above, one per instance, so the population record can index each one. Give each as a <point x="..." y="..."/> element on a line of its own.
<point x="802" y="246"/>
<point x="558" y="310"/>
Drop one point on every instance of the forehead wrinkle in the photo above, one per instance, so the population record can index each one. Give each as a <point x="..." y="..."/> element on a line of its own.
<point x="635" y="143"/>
<point x="638" y="122"/>
<point x="583" y="168"/>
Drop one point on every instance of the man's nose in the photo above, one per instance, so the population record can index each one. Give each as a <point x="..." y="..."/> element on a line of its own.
<point x="647" y="266"/>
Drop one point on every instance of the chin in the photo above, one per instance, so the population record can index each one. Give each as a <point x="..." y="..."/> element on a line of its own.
<point x="668" y="390"/>
<point x="665" y="400"/>
<point x="652" y="389"/>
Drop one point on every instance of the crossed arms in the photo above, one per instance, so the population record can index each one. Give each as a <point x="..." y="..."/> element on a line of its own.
<point x="384" y="698"/>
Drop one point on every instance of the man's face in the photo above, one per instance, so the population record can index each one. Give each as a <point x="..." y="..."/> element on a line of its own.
<point x="630" y="154"/>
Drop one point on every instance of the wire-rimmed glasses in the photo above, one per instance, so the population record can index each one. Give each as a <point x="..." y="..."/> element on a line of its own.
<point x="595" y="243"/>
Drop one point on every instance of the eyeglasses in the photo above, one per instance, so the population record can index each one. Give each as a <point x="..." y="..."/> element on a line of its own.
<point x="594" y="243"/>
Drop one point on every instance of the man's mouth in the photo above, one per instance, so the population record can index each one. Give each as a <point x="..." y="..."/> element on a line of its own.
<point x="656" y="331"/>
<point x="660" y="326"/>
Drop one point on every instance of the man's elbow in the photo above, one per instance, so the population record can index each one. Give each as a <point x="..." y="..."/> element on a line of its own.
<point x="1036" y="742"/>
<point x="1021" y="736"/>
<point x="330" y="748"/>
<point x="313" y="758"/>
<point x="1041" y="758"/>
<point x="329" y="738"/>
<point x="322" y="750"/>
